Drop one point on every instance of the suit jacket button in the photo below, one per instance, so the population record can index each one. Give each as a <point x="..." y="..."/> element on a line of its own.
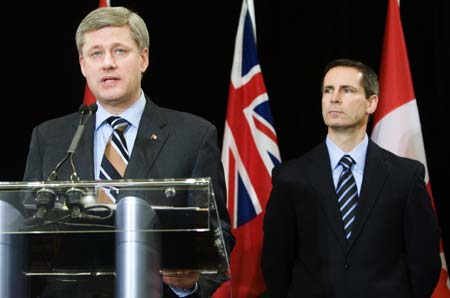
<point x="347" y="267"/>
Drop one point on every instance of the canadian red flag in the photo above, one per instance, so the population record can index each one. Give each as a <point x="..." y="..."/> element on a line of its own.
<point x="396" y="122"/>
<point x="89" y="98"/>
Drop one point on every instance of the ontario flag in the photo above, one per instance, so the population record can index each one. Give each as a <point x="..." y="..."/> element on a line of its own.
<point x="396" y="121"/>
<point x="88" y="97"/>
<point x="249" y="152"/>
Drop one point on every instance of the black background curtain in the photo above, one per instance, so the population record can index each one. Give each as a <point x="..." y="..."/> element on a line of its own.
<point x="191" y="52"/>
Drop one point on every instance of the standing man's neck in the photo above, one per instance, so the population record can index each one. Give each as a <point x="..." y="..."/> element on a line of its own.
<point x="117" y="108"/>
<point x="345" y="140"/>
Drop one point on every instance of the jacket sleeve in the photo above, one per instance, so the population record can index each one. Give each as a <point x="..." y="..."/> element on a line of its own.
<point x="279" y="240"/>
<point x="422" y="238"/>
<point x="208" y="164"/>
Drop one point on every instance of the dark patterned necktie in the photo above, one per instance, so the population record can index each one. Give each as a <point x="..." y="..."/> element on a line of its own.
<point x="115" y="158"/>
<point x="347" y="194"/>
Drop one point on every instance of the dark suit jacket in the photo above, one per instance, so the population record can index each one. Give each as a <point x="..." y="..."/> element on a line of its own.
<point x="186" y="147"/>
<point x="394" y="247"/>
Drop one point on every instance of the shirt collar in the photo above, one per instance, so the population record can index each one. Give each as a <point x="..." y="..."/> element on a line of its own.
<point x="358" y="153"/>
<point x="132" y="114"/>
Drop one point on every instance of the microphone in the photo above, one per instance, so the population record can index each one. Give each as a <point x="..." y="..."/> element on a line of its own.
<point x="45" y="197"/>
<point x="74" y="194"/>
<point x="79" y="132"/>
<point x="82" y="110"/>
<point x="93" y="108"/>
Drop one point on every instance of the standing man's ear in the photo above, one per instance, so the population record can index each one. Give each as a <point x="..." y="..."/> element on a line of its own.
<point x="373" y="103"/>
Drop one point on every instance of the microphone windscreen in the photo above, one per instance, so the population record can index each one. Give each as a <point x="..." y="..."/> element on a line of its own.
<point x="93" y="108"/>
<point x="83" y="108"/>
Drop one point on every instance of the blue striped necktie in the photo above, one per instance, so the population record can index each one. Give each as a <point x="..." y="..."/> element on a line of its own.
<point x="347" y="194"/>
<point x="115" y="158"/>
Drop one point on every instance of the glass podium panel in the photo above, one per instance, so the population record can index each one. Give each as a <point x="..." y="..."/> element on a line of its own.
<point x="56" y="238"/>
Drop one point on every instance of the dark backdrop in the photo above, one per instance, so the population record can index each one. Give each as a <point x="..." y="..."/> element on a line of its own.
<point x="191" y="51"/>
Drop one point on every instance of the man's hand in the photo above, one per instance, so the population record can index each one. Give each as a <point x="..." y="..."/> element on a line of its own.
<point x="181" y="279"/>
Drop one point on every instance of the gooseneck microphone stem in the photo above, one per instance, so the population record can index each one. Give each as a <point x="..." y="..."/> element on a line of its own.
<point x="74" y="194"/>
<point x="54" y="174"/>
<point x="76" y="139"/>
<point x="45" y="197"/>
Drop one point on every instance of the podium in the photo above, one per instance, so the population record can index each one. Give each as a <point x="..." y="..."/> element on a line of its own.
<point x="56" y="240"/>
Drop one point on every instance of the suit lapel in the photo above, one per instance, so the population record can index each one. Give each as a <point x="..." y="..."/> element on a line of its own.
<point x="150" y="138"/>
<point x="375" y="174"/>
<point x="322" y="179"/>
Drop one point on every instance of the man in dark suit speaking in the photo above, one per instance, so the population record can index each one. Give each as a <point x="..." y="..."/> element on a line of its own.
<point x="350" y="219"/>
<point x="113" y="46"/>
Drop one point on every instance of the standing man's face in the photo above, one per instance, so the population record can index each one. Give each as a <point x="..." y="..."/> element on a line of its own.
<point x="344" y="103"/>
<point x="113" y="66"/>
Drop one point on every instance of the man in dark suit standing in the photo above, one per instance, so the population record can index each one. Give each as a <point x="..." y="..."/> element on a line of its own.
<point x="113" y="46"/>
<point x="350" y="219"/>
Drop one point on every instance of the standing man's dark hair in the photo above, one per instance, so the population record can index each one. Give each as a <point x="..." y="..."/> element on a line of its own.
<point x="369" y="79"/>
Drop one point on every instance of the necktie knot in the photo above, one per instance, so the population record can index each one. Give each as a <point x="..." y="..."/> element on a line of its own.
<point x="117" y="123"/>
<point x="347" y="162"/>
